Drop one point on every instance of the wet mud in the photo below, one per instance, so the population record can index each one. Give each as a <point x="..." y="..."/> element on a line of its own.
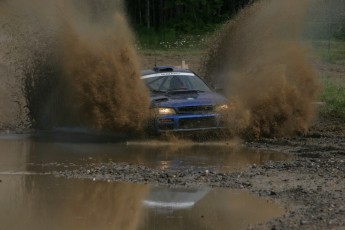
<point x="310" y="185"/>
<point x="259" y="60"/>
<point x="71" y="204"/>
<point x="29" y="190"/>
<point x="74" y="64"/>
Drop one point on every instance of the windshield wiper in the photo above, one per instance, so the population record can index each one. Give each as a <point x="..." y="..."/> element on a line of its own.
<point x="182" y="91"/>
<point x="157" y="91"/>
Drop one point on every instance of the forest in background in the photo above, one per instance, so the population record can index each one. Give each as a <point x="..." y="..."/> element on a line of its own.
<point x="168" y="24"/>
<point x="169" y="19"/>
<point x="183" y="16"/>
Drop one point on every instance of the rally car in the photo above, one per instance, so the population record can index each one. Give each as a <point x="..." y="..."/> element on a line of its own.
<point x="181" y="101"/>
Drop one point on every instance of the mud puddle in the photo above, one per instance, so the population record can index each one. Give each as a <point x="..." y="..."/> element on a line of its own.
<point x="31" y="192"/>
<point x="42" y="202"/>
<point x="22" y="153"/>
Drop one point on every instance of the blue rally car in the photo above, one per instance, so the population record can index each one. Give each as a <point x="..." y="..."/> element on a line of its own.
<point x="181" y="101"/>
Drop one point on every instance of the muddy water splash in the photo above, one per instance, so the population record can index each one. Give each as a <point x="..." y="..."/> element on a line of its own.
<point x="76" y="63"/>
<point x="260" y="57"/>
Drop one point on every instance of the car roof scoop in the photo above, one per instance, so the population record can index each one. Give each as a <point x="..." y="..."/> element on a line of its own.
<point x="163" y="69"/>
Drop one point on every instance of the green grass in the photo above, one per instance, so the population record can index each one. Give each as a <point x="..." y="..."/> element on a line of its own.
<point x="162" y="42"/>
<point x="172" y="52"/>
<point x="332" y="51"/>
<point x="172" y="40"/>
<point x="334" y="96"/>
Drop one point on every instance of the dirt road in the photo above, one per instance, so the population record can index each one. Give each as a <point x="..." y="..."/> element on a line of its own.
<point x="312" y="185"/>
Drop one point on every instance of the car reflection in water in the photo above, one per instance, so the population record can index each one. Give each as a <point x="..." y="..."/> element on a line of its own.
<point x="31" y="199"/>
<point x="165" y="199"/>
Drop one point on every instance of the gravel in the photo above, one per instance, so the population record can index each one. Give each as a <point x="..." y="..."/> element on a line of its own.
<point x="311" y="186"/>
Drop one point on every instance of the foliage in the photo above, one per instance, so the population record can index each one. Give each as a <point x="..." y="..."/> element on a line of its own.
<point x="183" y="16"/>
<point x="168" y="39"/>
<point x="332" y="51"/>
<point x="334" y="97"/>
<point x="340" y="34"/>
<point x="168" y="25"/>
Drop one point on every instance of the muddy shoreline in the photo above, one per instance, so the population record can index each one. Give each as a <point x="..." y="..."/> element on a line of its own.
<point x="310" y="186"/>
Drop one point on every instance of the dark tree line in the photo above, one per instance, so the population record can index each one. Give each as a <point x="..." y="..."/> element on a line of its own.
<point x="181" y="15"/>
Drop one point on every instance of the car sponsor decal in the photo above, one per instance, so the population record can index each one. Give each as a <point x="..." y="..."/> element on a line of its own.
<point x="167" y="74"/>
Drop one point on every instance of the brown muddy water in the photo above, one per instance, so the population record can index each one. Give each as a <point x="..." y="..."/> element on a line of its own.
<point x="32" y="198"/>
<point x="271" y="95"/>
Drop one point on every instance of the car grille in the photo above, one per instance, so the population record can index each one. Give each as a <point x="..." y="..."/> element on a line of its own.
<point x="195" y="123"/>
<point x="195" y="109"/>
<point x="166" y="127"/>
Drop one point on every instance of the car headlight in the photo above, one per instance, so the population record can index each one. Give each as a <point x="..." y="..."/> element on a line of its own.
<point x="164" y="111"/>
<point x="221" y="108"/>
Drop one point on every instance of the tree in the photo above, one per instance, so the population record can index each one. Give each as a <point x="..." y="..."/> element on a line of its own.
<point x="162" y="14"/>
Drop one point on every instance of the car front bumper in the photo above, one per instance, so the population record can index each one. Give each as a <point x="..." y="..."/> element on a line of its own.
<point x="188" y="123"/>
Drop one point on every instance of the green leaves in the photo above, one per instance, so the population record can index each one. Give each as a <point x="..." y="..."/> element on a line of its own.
<point x="334" y="97"/>
<point x="182" y="15"/>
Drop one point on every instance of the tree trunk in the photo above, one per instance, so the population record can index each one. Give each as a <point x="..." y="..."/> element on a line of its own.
<point x="140" y="14"/>
<point x="148" y="15"/>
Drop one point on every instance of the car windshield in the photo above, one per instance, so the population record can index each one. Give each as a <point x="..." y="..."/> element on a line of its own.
<point x="168" y="83"/>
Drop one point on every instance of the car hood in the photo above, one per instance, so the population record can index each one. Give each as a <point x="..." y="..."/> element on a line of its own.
<point x="181" y="99"/>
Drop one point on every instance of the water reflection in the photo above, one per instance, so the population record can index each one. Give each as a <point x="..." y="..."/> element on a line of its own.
<point x="164" y="199"/>
<point x="44" y="202"/>
<point x="205" y="208"/>
<point x="29" y="199"/>
<point x="26" y="154"/>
